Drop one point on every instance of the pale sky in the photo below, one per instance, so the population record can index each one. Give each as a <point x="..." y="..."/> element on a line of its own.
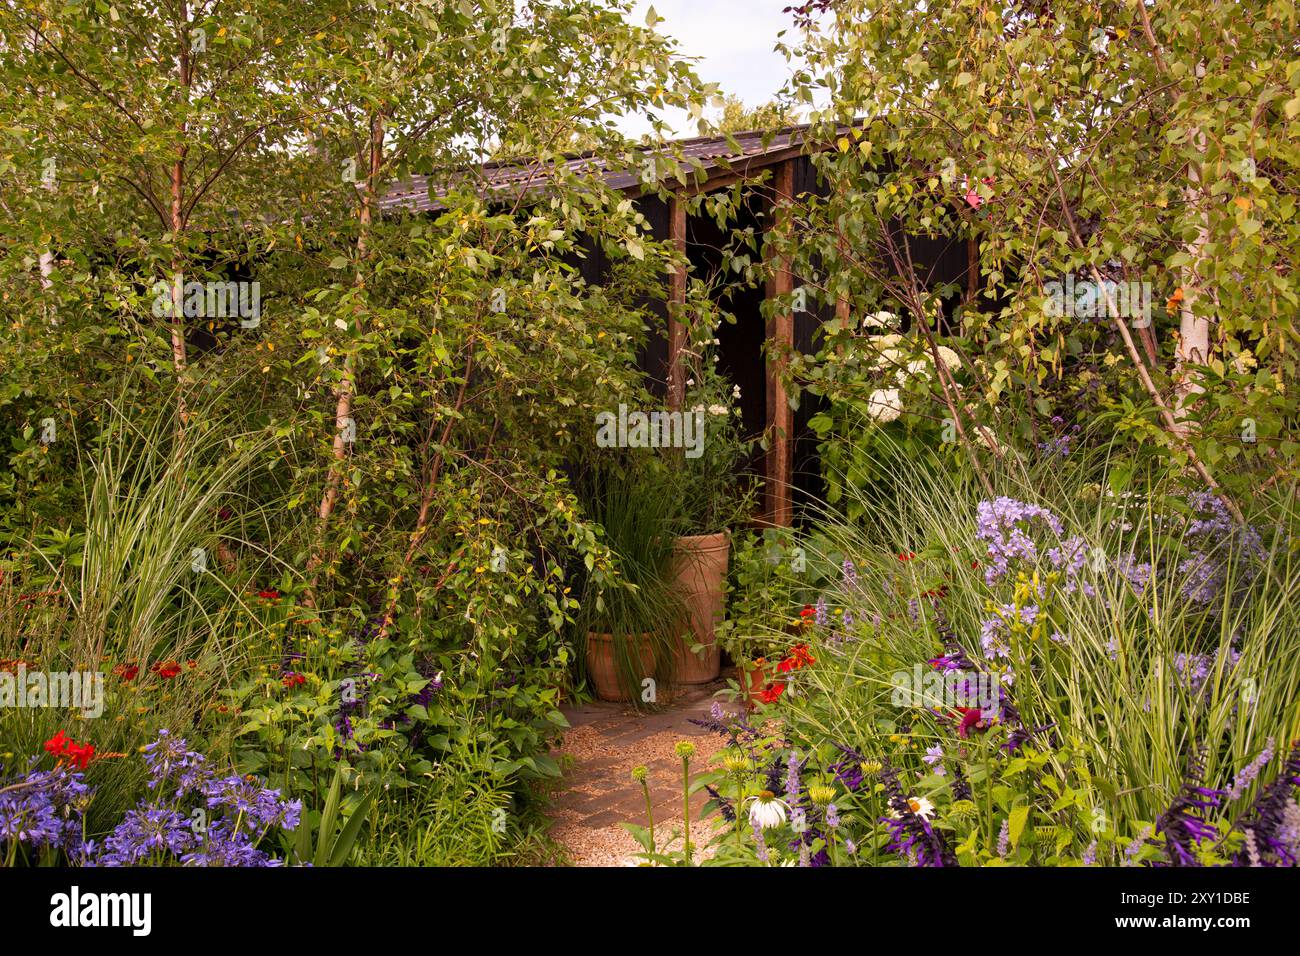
<point x="732" y="40"/>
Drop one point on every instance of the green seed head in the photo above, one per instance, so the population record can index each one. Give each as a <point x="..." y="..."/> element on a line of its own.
<point x="736" y="763"/>
<point x="821" y="794"/>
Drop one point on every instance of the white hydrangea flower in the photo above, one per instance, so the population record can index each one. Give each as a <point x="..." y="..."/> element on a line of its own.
<point x="880" y="320"/>
<point x="889" y="358"/>
<point x="917" y="368"/>
<point x="884" y="405"/>
<point x="989" y="440"/>
<point x="717" y="409"/>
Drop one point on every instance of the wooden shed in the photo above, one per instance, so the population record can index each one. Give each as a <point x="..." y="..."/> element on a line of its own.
<point x="789" y="466"/>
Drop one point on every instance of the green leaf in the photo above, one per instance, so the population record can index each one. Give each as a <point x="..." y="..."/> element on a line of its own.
<point x="343" y="845"/>
<point x="1016" y="824"/>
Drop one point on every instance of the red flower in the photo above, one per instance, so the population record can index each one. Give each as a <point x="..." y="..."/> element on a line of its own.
<point x="293" y="680"/>
<point x="269" y="595"/>
<point x="77" y="755"/>
<point x="80" y="755"/>
<point x="166" y="671"/>
<point x="58" y="744"/>
<point x="808" y="611"/>
<point x="906" y="555"/>
<point x="771" y="692"/>
<point x="128" y="672"/>
<point x="972" y="717"/>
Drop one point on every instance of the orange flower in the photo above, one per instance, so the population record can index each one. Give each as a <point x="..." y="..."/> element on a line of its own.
<point x="798" y="657"/>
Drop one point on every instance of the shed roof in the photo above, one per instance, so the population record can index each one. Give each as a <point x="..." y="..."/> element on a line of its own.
<point x="714" y="156"/>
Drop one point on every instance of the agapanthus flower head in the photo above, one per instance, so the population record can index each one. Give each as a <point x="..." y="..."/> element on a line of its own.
<point x="169" y="760"/>
<point x="44" y="809"/>
<point x="257" y="807"/>
<point x="147" y="834"/>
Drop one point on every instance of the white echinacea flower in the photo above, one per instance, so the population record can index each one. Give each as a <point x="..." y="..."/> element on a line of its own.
<point x="767" y="811"/>
<point x="921" y="806"/>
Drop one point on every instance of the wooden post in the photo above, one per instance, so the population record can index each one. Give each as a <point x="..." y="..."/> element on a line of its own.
<point x="842" y="301"/>
<point x="779" y="468"/>
<point x="677" y="305"/>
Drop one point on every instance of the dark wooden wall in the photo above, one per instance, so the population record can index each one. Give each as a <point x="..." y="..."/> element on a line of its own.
<point x="940" y="260"/>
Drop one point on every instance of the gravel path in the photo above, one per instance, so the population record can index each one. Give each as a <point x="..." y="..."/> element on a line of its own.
<point x="606" y="741"/>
